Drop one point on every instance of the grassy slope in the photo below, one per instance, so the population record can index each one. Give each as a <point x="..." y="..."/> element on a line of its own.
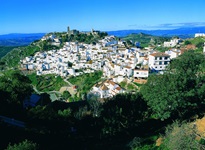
<point x="198" y="42"/>
<point x="13" y="58"/>
<point x="86" y="81"/>
<point x="47" y="83"/>
<point x="144" y="39"/>
<point x="5" y="49"/>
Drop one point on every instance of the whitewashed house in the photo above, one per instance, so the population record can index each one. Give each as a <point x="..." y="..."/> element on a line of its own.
<point x="199" y="35"/>
<point x="174" y="53"/>
<point x="139" y="73"/>
<point x="158" y="61"/>
<point x="204" y="48"/>
<point x="172" y="43"/>
<point x="128" y="71"/>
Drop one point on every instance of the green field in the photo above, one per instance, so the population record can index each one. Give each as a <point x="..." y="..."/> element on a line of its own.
<point x="85" y="82"/>
<point x="145" y="39"/>
<point x="46" y="83"/>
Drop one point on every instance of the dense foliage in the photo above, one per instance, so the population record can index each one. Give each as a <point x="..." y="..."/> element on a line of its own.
<point x="66" y="95"/>
<point x="14" y="87"/>
<point x="12" y="59"/>
<point x="122" y="113"/>
<point x="5" y="49"/>
<point x="125" y="121"/>
<point x="180" y="90"/>
<point x="25" y="145"/>
<point x="181" y="136"/>
<point x="198" y="42"/>
<point x="83" y="37"/>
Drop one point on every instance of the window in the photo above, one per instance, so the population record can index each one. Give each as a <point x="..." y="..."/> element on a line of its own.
<point x="160" y="58"/>
<point x="155" y="58"/>
<point x="165" y="58"/>
<point x="160" y="63"/>
<point x="137" y="72"/>
<point x="166" y="62"/>
<point x="156" y="67"/>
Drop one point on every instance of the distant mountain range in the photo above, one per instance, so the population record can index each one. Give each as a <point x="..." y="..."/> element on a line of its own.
<point x="18" y="39"/>
<point x="180" y="32"/>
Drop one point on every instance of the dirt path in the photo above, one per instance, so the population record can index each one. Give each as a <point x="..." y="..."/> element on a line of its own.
<point x="69" y="89"/>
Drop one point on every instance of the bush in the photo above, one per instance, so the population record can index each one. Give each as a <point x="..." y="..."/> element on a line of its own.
<point x="25" y="145"/>
<point x="181" y="136"/>
<point x="66" y="95"/>
<point x="187" y="42"/>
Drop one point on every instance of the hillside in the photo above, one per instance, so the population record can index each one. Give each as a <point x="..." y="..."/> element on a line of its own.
<point x="180" y="32"/>
<point x="132" y="120"/>
<point x="12" y="58"/>
<point x="197" y="43"/>
<point x="145" y="39"/>
<point x="19" y="39"/>
<point x="5" y="49"/>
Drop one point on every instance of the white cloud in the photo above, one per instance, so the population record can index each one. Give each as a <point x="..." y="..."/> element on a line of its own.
<point x="167" y="25"/>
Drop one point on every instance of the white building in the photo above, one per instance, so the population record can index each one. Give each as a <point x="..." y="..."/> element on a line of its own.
<point x="128" y="71"/>
<point x="158" y="61"/>
<point x="106" y="89"/>
<point x="204" y="48"/>
<point x="199" y="35"/>
<point x="173" y="53"/>
<point x="172" y="43"/>
<point x="138" y="73"/>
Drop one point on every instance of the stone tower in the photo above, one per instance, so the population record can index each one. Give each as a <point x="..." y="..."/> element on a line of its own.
<point x="68" y="29"/>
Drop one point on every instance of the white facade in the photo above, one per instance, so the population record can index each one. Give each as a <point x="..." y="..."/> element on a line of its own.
<point x="107" y="89"/>
<point x="141" y="73"/>
<point x="172" y="43"/>
<point x="114" y="60"/>
<point x="204" y="48"/>
<point x="199" y="35"/>
<point x="128" y="71"/>
<point x="158" y="61"/>
<point x="173" y="53"/>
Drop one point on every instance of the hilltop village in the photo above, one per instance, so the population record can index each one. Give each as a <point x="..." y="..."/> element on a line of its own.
<point x="110" y="55"/>
<point x="122" y="93"/>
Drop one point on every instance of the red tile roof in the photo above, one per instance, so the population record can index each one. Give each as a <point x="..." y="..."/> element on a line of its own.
<point x="118" y="88"/>
<point x="111" y="82"/>
<point x="159" y="54"/>
<point x="104" y="88"/>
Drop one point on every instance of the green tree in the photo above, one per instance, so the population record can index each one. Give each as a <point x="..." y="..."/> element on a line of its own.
<point x="24" y="145"/>
<point x="66" y="95"/>
<point x="187" y="42"/>
<point x="200" y="44"/>
<point x="15" y="87"/>
<point x="45" y="99"/>
<point x="65" y="113"/>
<point x="95" y="106"/>
<point x="180" y="90"/>
<point x="42" y="113"/>
<point x="123" y="112"/>
<point x="180" y="137"/>
<point x="70" y="64"/>
<point x="103" y="34"/>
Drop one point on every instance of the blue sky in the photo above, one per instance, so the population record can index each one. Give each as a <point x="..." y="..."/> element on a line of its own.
<point x="35" y="16"/>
